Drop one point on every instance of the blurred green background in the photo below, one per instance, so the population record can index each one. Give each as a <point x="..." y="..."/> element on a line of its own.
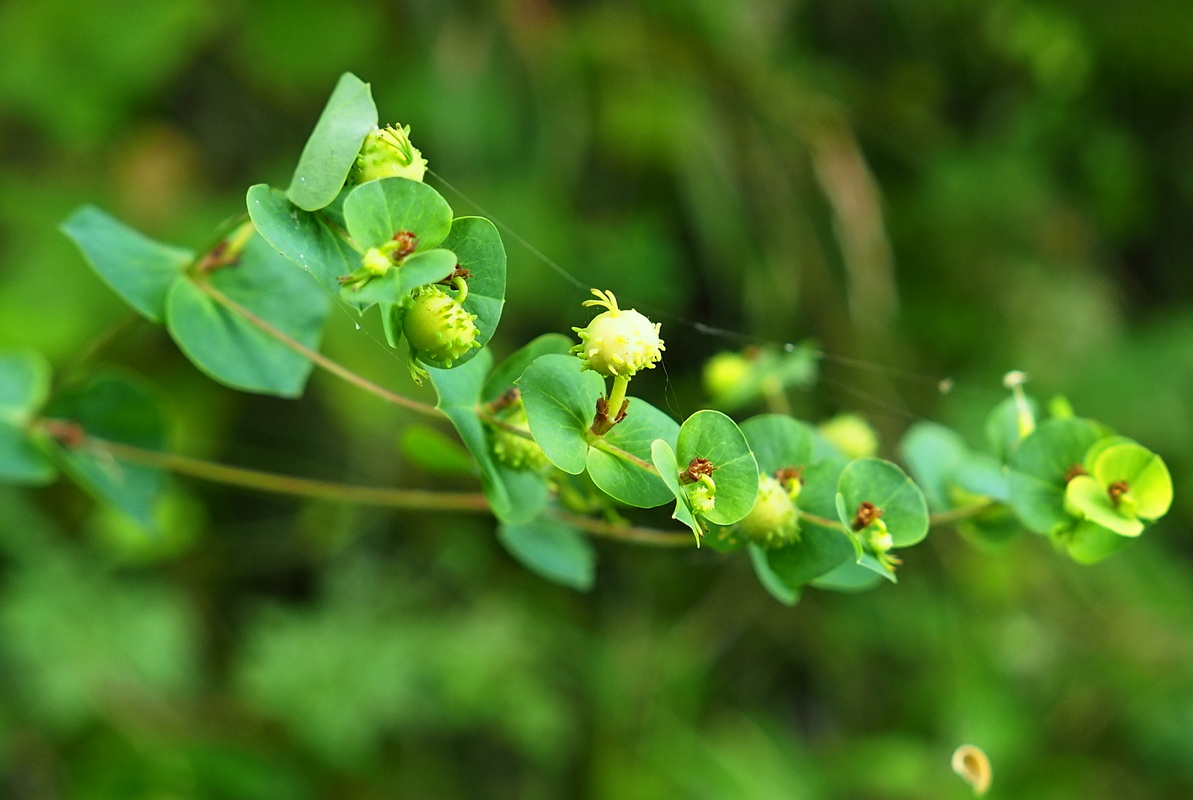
<point x="939" y="189"/>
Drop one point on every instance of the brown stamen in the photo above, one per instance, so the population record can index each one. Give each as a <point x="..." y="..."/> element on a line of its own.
<point x="1074" y="471"/>
<point x="696" y="467"/>
<point x="1116" y="490"/>
<point x="407" y="244"/>
<point x="867" y="513"/>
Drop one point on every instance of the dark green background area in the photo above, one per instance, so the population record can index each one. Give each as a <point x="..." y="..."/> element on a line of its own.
<point x="939" y="189"/>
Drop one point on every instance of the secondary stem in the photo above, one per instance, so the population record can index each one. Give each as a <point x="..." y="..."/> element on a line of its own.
<point x="73" y="436"/>
<point x="318" y="358"/>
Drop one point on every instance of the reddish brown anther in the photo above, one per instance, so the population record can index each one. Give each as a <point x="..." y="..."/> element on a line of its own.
<point x="789" y="475"/>
<point x="217" y="258"/>
<point x="506" y="399"/>
<point x="1074" y="471"/>
<point x="68" y="434"/>
<point x="867" y="513"/>
<point x="1116" y="490"/>
<point x="407" y="244"/>
<point x="458" y="272"/>
<point x="696" y="467"/>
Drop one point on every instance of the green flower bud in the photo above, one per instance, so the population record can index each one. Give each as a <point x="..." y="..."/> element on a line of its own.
<point x="514" y="451"/>
<point x="438" y="327"/>
<point x="388" y="153"/>
<point x="774" y="520"/>
<point x="703" y="496"/>
<point x="376" y="261"/>
<point x="618" y="343"/>
<point x="725" y="374"/>
<point x="851" y="434"/>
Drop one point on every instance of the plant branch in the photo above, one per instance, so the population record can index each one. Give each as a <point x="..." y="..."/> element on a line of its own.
<point x="318" y="358"/>
<point x="72" y="435"/>
<point x="957" y="514"/>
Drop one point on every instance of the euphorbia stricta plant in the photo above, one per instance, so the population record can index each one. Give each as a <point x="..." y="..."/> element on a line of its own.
<point x="561" y="449"/>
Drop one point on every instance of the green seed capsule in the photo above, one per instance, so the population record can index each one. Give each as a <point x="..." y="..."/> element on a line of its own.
<point x="437" y="326"/>
<point x="388" y="153"/>
<point x="774" y="520"/>
<point x="514" y="451"/>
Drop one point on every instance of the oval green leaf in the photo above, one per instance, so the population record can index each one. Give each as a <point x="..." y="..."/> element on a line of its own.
<point x="509" y="371"/>
<point x="622" y="480"/>
<point x="302" y="236"/>
<point x="663" y="458"/>
<point x="137" y="268"/>
<point x="400" y="280"/>
<point x="552" y="550"/>
<point x="849" y="577"/>
<point x="904" y="509"/>
<point x="331" y="150"/>
<point x="230" y="348"/>
<point x="1090" y="499"/>
<point x="1090" y="543"/>
<point x="818" y="552"/>
<point x="778" y="441"/>
<point x="377" y="210"/>
<point x="560" y="401"/>
<point x="1143" y="471"/>
<point x="514" y="497"/>
<point x="1038" y="468"/>
<point x="478" y="249"/>
<point x="24" y="384"/>
<point x="775" y="584"/>
<point x="712" y="435"/>
<point x="117" y="408"/>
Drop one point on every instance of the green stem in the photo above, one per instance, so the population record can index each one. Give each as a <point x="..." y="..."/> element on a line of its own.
<point x="957" y="514"/>
<point x="617" y="396"/>
<point x="411" y="500"/>
<point x="318" y="358"/>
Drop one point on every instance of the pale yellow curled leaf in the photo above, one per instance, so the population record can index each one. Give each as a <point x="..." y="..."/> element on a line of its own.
<point x="974" y="768"/>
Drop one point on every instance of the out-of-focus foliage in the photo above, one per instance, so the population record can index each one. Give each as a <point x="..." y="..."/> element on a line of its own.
<point x="937" y="189"/>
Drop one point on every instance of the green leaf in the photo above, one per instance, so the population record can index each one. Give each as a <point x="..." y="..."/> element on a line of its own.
<point x="873" y="480"/>
<point x="399" y="281"/>
<point x="818" y="552"/>
<point x="626" y="482"/>
<point x="117" y="408"/>
<point x="560" y="401"/>
<point x="435" y="451"/>
<point x="301" y="236"/>
<point x="777" y="441"/>
<point x="663" y="457"/>
<point x="137" y="268"/>
<point x="1089" y="498"/>
<point x="552" y="550"/>
<point x="327" y="158"/>
<point x="934" y="454"/>
<point x="509" y="371"/>
<point x="24" y="384"/>
<point x="233" y="350"/>
<point x="1002" y="426"/>
<point x="868" y="561"/>
<point x="1143" y="471"/>
<point x="819" y="493"/>
<point x="478" y="249"/>
<point x="1090" y="543"/>
<point x="1038" y="467"/>
<point x="514" y="497"/>
<point x="849" y="577"/>
<point x="714" y="436"/>
<point x="779" y="588"/>
<point x="377" y="210"/>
